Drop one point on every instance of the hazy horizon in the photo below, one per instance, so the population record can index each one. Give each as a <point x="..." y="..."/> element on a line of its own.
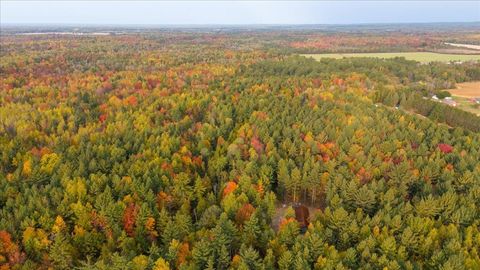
<point x="204" y="13"/>
<point x="235" y="25"/>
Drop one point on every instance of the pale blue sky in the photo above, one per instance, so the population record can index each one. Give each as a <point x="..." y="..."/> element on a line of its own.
<point x="239" y="12"/>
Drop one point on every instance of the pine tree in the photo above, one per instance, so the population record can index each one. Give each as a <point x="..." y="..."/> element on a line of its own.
<point x="283" y="177"/>
<point x="61" y="253"/>
<point x="294" y="183"/>
<point x="251" y="231"/>
<point x="250" y="257"/>
<point x="286" y="261"/>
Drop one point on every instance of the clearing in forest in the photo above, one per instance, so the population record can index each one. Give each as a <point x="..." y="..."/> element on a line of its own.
<point x="422" y="57"/>
<point x="281" y="210"/>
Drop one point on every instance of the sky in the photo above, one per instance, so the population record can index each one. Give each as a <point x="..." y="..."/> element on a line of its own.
<point x="236" y="12"/>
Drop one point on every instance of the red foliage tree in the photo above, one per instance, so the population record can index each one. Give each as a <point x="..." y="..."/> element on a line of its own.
<point x="257" y="144"/>
<point x="138" y="85"/>
<point x="9" y="251"/>
<point x="102" y="118"/>
<point x="445" y="148"/>
<point x="244" y="213"/>
<point x="129" y="218"/>
<point x="131" y="100"/>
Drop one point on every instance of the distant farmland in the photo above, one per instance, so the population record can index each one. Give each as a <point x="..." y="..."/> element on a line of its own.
<point x="467" y="89"/>
<point x="463" y="94"/>
<point x="423" y="57"/>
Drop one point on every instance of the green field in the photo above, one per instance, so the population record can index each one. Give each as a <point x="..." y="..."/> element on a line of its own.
<point x="423" y="57"/>
<point x="466" y="105"/>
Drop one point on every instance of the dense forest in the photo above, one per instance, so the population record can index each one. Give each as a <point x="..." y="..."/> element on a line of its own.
<point x="190" y="150"/>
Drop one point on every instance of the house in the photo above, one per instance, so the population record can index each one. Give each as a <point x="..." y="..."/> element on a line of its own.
<point x="450" y="102"/>
<point x="474" y="100"/>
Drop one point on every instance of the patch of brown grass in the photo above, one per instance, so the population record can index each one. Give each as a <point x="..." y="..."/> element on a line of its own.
<point x="468" y="89"/>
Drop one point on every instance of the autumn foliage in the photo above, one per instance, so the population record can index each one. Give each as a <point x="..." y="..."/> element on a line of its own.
<point x="129" y="218"/>
<point x="229" y="188"/>
<point x="445" y="148"/>
<point x="10" y="254"/>
<point x="244" y="213"/>
<point x="178" y="149"/>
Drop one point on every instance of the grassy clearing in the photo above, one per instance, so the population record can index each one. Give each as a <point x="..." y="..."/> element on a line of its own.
<point x="423" y="57"/>
<point x="467" y="105"/>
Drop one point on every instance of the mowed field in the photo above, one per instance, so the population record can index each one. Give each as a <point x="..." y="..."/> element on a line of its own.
<point x="463" y="94"/>
<point x="423" y="57"/>
<point x="468" y="89"/>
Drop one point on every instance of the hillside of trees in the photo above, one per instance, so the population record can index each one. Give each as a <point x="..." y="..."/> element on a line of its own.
<point x="177" y="150"/>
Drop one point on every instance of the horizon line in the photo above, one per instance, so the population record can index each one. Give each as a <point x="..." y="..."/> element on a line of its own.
<point x="229" y="24"/>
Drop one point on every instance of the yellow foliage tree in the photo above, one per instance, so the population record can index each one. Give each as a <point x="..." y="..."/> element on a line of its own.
<point x="161" y="264"/>
<point x="27" y="168"/>
<point x="140" y="262"/>
<point x="48" y="162"/>
<point x="59" y="225"/>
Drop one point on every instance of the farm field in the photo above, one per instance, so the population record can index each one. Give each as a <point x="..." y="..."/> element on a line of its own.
<point x="423" y="57"/>
<point x="463" y="95"/>
<point x="467" y="105"/>
<point x="468" y="89"/>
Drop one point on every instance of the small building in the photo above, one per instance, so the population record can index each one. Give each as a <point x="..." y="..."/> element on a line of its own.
<point x="450" y="102"/>
<point x="435" y="97"/>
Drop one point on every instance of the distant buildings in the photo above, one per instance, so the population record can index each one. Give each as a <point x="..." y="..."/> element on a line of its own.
<point x="447" y="100"/>
<point x="450" y="102"/>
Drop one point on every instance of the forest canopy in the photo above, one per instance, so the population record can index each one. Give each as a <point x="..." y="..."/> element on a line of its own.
<point x="190" y="150"/>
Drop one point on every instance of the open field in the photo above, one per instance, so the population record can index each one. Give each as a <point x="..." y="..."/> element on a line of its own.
<point x="423" y="57"/>
<point x="467" y="105"/>
<point x="463" y="95"/>
<point x="468" y="90"/>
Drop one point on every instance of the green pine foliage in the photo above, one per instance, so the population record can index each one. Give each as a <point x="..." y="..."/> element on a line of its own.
<point x="148" y="152"/>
